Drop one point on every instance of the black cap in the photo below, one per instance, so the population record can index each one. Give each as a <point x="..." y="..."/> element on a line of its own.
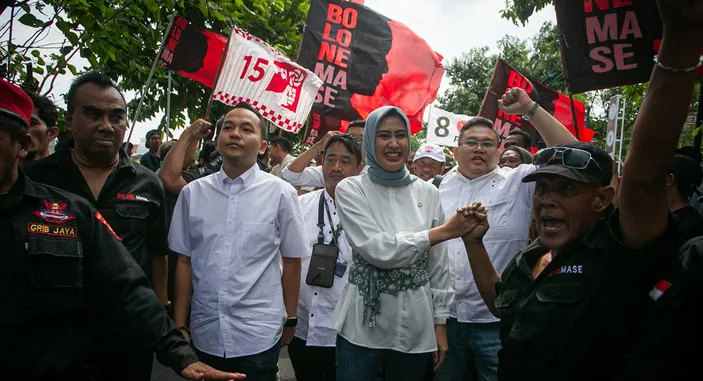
<point x="602" y="172"/>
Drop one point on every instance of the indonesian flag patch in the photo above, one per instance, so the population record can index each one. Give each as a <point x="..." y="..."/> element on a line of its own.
<point x="659" y="289"/>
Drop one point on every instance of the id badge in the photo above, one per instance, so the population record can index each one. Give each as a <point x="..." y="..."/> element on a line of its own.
<point x="340" y="269"/>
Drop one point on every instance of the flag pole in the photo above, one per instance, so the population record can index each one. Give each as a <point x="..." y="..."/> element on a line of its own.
<point x="488" y="90"/>
<point x="567" y="79"/>
<point x="168" y="105"/>
<point x="148" y="80"/>
<point x="307" y="127"/>
<point x="217" y="77"/>
<point x="429" y="121"/>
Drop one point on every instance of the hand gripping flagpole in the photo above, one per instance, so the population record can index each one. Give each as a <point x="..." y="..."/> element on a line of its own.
<point x="148" y="80"/>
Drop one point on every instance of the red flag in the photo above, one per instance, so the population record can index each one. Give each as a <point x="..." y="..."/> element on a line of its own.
<point x="559" y="105"/>
<point x="413" y="79"/>
<point x="191" y="52"/>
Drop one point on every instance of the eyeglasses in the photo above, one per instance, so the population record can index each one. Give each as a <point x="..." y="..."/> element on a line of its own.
<point x="574" y="158"/>
<point x="473" y="144"/>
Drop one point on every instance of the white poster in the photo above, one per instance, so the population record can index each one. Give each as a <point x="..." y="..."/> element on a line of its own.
<point x="256" y="73"/>
<point x="443" y="127"/>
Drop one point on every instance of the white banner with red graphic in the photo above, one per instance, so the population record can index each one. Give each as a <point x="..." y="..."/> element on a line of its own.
<point x="443" y="127"/>
<point x="256" y="73"/>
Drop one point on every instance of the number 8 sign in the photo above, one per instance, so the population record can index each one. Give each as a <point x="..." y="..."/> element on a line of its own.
<point x="256" y="73"/>
<point x="443" y="127"/>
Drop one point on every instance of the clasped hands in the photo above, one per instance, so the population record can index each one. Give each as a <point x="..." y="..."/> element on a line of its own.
<point x="470" y="222"/>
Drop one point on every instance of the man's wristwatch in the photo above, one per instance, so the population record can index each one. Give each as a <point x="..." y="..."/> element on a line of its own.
<point x="291" y="322"/>
<point x="531" y="112"/>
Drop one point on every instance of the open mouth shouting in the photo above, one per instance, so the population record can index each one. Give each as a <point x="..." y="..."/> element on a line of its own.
<point x="551" y="225"/>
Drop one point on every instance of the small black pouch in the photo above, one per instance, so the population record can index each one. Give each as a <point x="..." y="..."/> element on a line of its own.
<point x="324" y="256"/>
<point x="322" y="264"/>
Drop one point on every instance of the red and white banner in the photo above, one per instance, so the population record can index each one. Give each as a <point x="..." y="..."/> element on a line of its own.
<point x="256" y="73"/>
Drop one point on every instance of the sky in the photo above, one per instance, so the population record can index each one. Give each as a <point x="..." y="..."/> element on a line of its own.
<point x="450" y="27"/>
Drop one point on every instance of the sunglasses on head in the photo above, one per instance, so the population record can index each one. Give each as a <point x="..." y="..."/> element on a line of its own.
<point x="574" y="158"/>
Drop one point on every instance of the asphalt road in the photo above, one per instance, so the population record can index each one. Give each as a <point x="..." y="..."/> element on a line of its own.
<point x="161" y="373"/>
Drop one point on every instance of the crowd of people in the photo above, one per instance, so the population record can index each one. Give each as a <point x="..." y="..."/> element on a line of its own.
<point x="368" y="259"/>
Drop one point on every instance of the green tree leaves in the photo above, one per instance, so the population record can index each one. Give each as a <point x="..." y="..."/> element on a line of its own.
<point x="470" y="74"/>
<point x="122" y="38"/>
<point x="519" y="11"/>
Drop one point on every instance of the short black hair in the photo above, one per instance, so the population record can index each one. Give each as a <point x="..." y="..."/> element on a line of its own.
<point x="525" y="136"/>
<point x="13" y="126"/>
<point x="262" y="121"/>
<point x="479" y="121"/>
<point x="349" y="143"/>
<point x="207" y="150"/>
<point x="688" y="174"/>
<point x="283" y="143"/>
<point x="45" y="107"/>
<point x="95" y="77"/>
<point x="357" y="123"/>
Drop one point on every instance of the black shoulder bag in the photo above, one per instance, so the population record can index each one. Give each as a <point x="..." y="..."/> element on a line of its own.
<point x="324" y="256"/>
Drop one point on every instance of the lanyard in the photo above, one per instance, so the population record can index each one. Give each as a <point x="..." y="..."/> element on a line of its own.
<point x="336" y="231"/>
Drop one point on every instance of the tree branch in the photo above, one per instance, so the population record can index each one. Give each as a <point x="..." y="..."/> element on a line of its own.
<point x="82" y="39"/>
<point x="27" y="44"/>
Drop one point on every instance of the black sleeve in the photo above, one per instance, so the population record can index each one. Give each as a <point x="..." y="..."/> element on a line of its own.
<point x="191" y="175"/>
<point x="649" y="261"/>
<point x="125" y="302"/>
<point x="149" y="162"/>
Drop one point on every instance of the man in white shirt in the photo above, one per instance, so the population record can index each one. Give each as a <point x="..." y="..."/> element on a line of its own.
<point x="472" y="331"/>
<point x="299" y="174"/>
<point x="312" y="351"/>
<point x="279" y="155"/>
<point x="429" y="161"/>
<point x="228" y="229"/>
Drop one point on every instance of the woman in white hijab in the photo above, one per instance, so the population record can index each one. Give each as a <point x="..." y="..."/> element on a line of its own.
<point x="393" y="311"/>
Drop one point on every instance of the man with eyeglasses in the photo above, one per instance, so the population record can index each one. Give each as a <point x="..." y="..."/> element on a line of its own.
<point x="472" y="331"/>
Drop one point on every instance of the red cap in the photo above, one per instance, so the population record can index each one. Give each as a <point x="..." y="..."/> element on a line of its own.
<point x="14" y="102"/>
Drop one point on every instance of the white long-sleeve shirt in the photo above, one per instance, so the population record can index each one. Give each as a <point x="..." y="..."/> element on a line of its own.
<point x="389" y="228"/>
<point x="508" y="202"/>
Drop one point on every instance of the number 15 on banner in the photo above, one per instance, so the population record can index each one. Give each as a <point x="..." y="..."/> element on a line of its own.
<point x="258" y="70"/>
<point x="443" y="127"/>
